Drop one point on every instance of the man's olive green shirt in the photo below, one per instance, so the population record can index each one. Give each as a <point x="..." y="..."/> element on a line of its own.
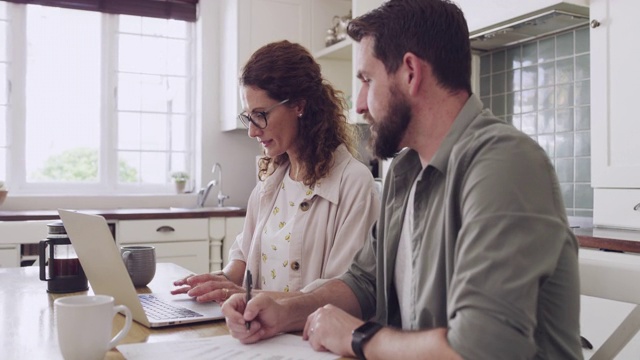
<point x="493" y="258"/>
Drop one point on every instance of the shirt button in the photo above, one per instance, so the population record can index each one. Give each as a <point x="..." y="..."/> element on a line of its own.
<point x="295" y="265"/>
<point x="304" y="206"/>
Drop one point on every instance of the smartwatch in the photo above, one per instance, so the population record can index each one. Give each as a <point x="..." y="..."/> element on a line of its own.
<point x="362" y="335"/>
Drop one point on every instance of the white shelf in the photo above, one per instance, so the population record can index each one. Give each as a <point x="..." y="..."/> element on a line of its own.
<point x="338" y="51"/>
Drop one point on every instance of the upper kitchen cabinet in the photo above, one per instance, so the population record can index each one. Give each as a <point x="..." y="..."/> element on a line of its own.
<point x="336" y="60"/>
<point x="615" y="164"/>
<point x="247" y="25"/>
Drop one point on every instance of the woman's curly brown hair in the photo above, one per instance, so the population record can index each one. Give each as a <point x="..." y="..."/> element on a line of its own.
<point x="286" y="70"/>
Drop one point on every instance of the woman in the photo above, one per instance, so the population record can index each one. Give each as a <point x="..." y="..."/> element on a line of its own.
<point x="315" y="203"/>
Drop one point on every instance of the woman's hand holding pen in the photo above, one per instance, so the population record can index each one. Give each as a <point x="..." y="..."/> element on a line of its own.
<point x="207" y="287"/>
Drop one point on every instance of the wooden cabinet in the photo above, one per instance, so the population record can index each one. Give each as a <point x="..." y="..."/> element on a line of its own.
<point x="246" y="26"/>
<point x="233" y="227"/>
<point x="23" y="232"/>
<point x="199" y="244"/>
<point x="336" y="60"/>
<point x="181" y="241"/>
<point x="217" y="257"/>
<point x="14" y="233"/>
<point x="192" y="255"/>
<point x="615" y="146"/>
<point x="9" y="255"/>
<point x="249" y="24"/>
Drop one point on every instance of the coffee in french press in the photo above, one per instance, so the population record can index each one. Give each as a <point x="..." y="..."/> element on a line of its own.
<point x="65" y="273"/>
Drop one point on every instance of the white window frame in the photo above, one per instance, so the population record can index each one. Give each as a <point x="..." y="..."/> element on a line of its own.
<point x="16" y="116"/>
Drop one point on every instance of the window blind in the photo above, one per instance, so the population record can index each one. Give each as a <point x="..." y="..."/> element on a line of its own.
<point x="185" y="10"/>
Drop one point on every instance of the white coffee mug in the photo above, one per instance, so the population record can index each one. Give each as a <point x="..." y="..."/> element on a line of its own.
<point x="84" y="325"/>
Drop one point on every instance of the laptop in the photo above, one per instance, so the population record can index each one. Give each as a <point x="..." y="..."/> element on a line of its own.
<point x="102" y="263"/>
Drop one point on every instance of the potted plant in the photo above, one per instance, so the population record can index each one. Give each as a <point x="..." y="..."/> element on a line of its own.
<point x="180" y="179"/>
<point x="3" y="192"/>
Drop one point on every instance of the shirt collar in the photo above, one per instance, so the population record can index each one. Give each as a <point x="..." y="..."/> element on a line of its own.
<point x="327" y="187"/>
<point x="471" y="109"/>
<point x="411" y="165"/>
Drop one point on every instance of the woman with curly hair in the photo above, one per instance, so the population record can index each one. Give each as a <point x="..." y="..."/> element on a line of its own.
<point x="315" y="203"/>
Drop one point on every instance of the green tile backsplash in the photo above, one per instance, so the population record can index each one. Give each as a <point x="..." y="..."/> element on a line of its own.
<point x="542" y="88"/>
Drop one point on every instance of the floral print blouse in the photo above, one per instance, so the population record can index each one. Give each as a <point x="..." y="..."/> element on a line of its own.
<point x="277" y="235"/>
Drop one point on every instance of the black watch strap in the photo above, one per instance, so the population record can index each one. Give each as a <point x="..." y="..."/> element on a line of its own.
<point x="361" y="335"/>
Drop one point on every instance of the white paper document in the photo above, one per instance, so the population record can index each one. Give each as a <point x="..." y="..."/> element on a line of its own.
<point x="225" y="347"/>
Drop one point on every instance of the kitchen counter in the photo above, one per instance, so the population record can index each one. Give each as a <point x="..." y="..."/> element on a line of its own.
<point x="599" y="238"/>
<point x="609" y="239"/>
<point x="129" y="214"/>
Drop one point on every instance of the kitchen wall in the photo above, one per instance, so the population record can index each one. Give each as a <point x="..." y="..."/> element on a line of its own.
<point x="234" y="150"/>
<point x="542" y="88"/>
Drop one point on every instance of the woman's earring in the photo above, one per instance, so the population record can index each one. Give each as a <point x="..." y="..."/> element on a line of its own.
<point x="300" y="115"/>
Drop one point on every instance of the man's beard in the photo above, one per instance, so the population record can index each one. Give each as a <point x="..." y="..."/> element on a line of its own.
<point x="388" y="131"/>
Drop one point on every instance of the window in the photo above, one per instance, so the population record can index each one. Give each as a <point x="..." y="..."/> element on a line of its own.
<point x="94" y="102"/>
<point x="4" y="84"/>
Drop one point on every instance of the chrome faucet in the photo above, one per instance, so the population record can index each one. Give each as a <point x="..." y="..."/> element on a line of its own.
<point x="217" y="181"/>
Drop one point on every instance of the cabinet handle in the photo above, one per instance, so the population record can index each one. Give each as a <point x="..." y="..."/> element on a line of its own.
<point x="637" y="207"/>
<point x="595" y="24"/>
<point x="165" y="228"/>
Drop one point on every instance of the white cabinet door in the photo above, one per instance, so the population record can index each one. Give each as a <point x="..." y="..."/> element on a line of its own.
<point x="248" y="25"/>
<point x="192" y="255"/>
<point x="216" y="241"/>
<point x="181" y="241"/>
<point x="9" y="256"/>
<point x="233" y="227"/>
<point x="337" y="60"/>
<point x="23" y="232"/>
<point x="162" y="230"/>
<point x="13" y="233"/>
<point x="334" y="60"/>
<point x="615" y="129"/>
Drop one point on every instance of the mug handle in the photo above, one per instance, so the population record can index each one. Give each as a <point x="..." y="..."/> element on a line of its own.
<point x="127" y="325"/>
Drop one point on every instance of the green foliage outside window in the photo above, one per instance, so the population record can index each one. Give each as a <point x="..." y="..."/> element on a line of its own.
<point x="80" y="165"/>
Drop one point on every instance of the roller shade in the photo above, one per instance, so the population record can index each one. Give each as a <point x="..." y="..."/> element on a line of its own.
<point x="166" y="9"/>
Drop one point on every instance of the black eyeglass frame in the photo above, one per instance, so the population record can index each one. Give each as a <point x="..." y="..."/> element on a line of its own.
<point x="246" y="119"/>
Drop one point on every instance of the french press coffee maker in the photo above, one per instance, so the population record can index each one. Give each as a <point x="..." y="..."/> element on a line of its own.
<point x="65" y="272"/>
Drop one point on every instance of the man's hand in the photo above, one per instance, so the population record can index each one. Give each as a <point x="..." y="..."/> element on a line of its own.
<point x="264" y="313"/>
<point x="329" y="329"/>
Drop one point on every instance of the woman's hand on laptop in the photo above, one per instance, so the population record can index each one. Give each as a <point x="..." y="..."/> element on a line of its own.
<point x="207" y="287"/>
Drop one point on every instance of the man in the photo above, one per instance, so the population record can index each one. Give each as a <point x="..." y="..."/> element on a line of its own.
<point x="472" y="256"/>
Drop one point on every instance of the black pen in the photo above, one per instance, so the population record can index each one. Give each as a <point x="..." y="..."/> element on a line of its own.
<point x="249" y="284"/>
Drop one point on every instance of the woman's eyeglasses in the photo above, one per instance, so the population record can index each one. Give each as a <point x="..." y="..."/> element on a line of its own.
<point x="258" y="118"/>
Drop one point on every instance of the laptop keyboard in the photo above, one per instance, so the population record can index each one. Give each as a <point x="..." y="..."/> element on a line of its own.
<point x="158" y="309"/>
